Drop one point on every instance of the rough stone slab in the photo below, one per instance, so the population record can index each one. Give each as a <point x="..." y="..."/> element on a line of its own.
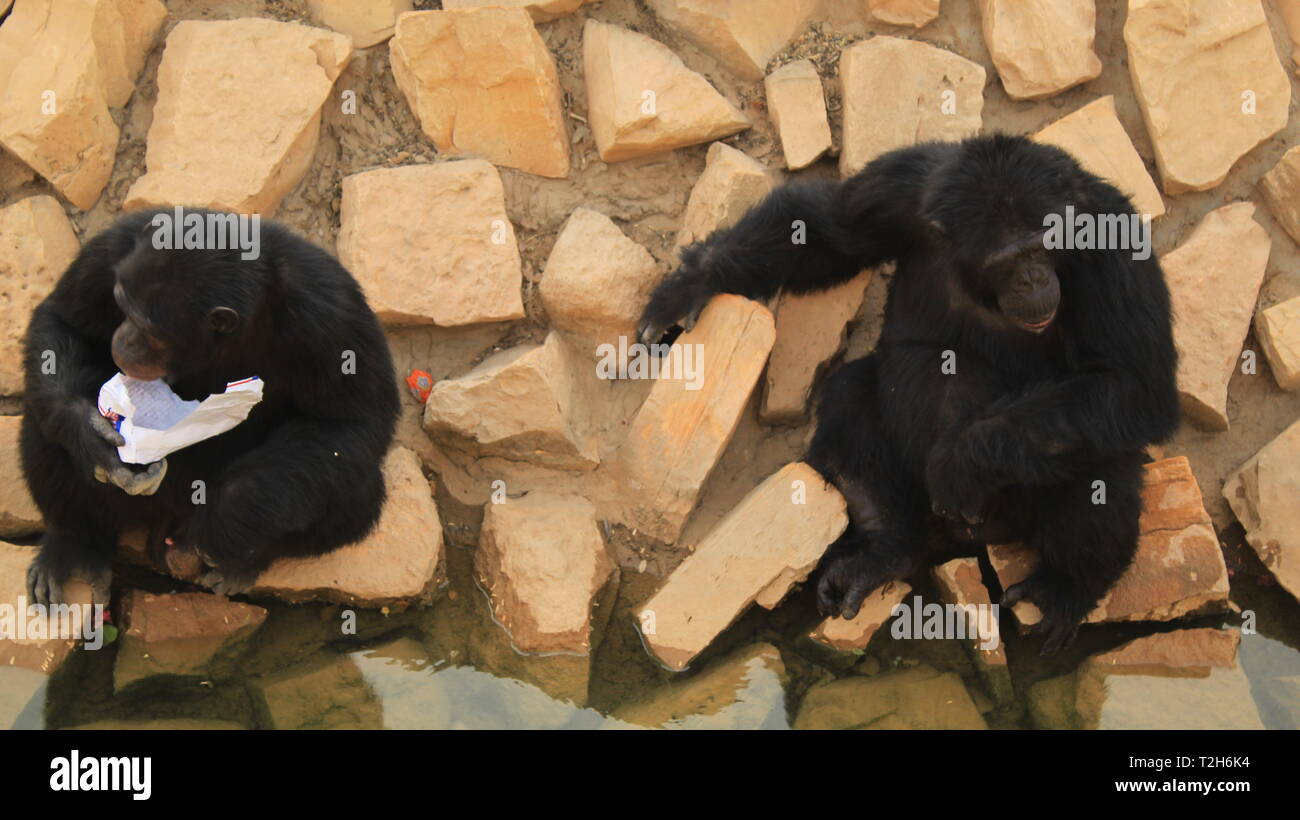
<point x="764" y="546"/>
<point x="481" y="81"/>
<point x="522" y="403"/>
<point x="960" y="583"/>
<point x="1041" y="47"/>
<point x="916" y="698"/>
<point x="914" y="13"/>
<point x="38" y="245"/>
<point x="642" y="99"/>
<point x="543" y="11"/>
<point x="237" y="140"/>
<point x="900" y="92"/>
<point x="1095" y="137"/>
<point x="41" y="654"/>
<point x="1278" y="330"/>
<point x="62" y="64"/>
<point x="1264" y="494"/>
<point x="745" y="690"/>
<point x="1214" y="279"/>
<point x="368" y="23"/>
<point x="1191" y="61"/>
<point x="543" y="562"/>
<point x="743" y="35"/>
<point x="1281" y="190"/>
<point x="810" y="331"/>
<point x="596" y="280"/>
<point x="731" y="184"/>
<point x="1178" y="570"/>
<point x="432" y="244"/>
<point x="183" y="635"/>
<point x="19" y="515"/>
<point x="396" y="564"/>
<point x="327" y="691"/>
<point x="856" y="633"/>
<point x="797" y="104"/>
<point x="679" y="433"/>
<point x="1186" y="679"/>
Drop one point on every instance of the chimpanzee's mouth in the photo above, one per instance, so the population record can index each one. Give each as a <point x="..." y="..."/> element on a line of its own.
<point x="1038" y="326"/>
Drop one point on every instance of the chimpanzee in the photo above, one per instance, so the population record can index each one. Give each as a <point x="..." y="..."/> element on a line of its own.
<point x="1018" y="377"/>
<point x="300" y="476"/>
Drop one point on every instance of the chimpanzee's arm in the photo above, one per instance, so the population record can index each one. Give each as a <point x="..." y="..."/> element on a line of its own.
<point x="804" y="237"/>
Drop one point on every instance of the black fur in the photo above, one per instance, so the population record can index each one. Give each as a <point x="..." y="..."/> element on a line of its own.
<point x="300" y="476"/>
<point x="1008" y="447"/>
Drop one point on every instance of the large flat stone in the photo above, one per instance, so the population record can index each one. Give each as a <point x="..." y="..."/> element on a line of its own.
<point x="1278" y="331"/>
<point x="1263" y="494"/>
<point x="1041" y="47"/>
<point x="432" y="244"/>
<point x="19" y="515"/>
<point x="184" y="635"/>
<point x="770" y="541"/>
<point x="682" y="428"/>
<point x="796" y="102"/>
<point x="481" y="81"/>
<point x="743" y="35"/>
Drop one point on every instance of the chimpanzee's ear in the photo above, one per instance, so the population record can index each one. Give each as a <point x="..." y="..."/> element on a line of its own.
<point x="223" y="319"/>
<point x="935" y="227"/>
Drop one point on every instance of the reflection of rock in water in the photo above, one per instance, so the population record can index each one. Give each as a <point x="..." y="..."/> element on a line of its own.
<point x="745" y="690"/>
<point x="1187" y="679"/>
<point x="916" y="698"/>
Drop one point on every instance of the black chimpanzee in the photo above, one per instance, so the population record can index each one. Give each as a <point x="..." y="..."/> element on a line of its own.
<point x="300" y="476"/>
<point x="1011" y="375"/>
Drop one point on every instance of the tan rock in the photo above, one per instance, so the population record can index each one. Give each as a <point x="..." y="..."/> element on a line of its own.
<point x="395" y="565"/>
<point x="915" y="698"/>
<point x="1209" y="84"/>
<point x="481" y="81"/>
<point x="856" y="633"/>
<point x="1263" y="493"/>
<point x="37" y="244"/>
<point x="769" y="542"/>
<point x="743" y="35"/>
<point x="642" y="99"/>
<point x="745" y="690"/>
<point x="125" y="32"/>
<point x="184" y="635"/>
<point x="797" y="105"/>
<point x="237" y="140"/>
<point x="810" y="331"/>
<point x="432" y="244"/>
<point x="543" y="11"/>
<point x="366" y="23"/>
<point x="596" y="280"/>
<point x="1185" y="679"/>
<point x="40" y="641"/>
<point x="522" y="403"/>
<point x="1178" y="570"/>
<point x="18" y="513"/>
<point x="1094" y="136"/>
<point x="1214" y="279"/>
<point x="62" y="63"/>
<point x="914" y="13"/>
<point x="327" y="691"/>
<point x="1278" y="330"/>
<point x="684" y="425"/>
<point x="731" y="184"/>
<point x="960" y="583"/>
<point x="1041" y="47"/>
<point x="1281" y="190"/>
<point x="900" y="92"/>
<point x="543" y="563"/>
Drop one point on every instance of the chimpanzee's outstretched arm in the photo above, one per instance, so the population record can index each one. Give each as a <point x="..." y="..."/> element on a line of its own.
<point x="804" y="237"/>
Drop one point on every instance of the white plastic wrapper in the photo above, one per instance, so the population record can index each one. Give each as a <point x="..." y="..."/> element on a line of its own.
<point x="155" y="421"/>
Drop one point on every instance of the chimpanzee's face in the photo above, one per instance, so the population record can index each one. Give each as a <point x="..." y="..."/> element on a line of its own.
<point x="1027" y="290"/>
<point x="167" y="330"/>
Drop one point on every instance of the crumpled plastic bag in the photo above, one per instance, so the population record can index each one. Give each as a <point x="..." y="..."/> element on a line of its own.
<point x="155" y="421"/>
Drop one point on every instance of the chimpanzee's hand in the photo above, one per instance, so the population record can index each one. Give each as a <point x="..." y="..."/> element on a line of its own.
<point x="678" y="300"/>
<point x="959" y="489"/>
<point x="100" y="448"/>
